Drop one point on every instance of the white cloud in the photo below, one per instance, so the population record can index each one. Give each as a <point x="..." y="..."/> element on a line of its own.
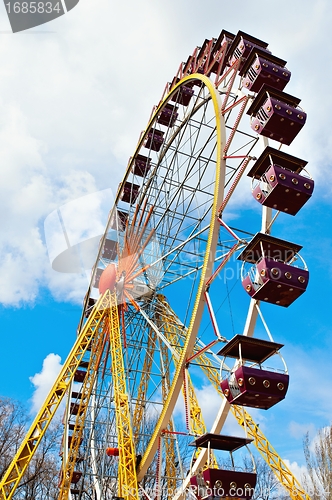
<point x="44" y="380"/>
<point x="72" y="105"/>
<point x="298" y="430"/>
<point x="21" y="267"/>
<point x="298" y="470"/>
<point x="209" y="401"/>
<point x="316" y="438"/>
<point x="305" y="380"/>
<point x="74" y="101"/>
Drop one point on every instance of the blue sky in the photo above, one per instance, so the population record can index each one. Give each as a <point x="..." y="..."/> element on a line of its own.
<point x="74" y="97"/>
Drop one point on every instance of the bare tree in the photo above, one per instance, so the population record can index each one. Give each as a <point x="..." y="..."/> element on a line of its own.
<point x="268" y="486"/>
<point x="13" y="421"/>
<point x="40" y="481"/>
<point x="318" y="481"/>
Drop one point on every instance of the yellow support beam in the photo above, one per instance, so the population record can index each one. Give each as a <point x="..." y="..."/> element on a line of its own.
<point x="127" y="479"/>
<point x="86" y="390"/>
<point x="169" y="324"/>
<point x="280" y="469"/>
<point x="173" y="331"/>
<point x="168" y="439"/>
<point x="15" y="471"/>
<point x="143" y="385"/>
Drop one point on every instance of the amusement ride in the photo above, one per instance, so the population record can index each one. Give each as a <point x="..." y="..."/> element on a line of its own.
<point x="175" y="302"/>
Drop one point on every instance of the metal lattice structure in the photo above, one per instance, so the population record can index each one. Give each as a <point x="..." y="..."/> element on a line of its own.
<point x="40" y="424"/>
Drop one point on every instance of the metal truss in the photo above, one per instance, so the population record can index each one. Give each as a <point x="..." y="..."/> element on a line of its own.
<point x="127" y="479"/>
<point x="40" y="424"/>
<point x="85" y="394"/>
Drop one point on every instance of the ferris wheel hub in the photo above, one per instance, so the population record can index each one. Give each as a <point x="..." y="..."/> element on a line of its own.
<point x="108" y="279"/>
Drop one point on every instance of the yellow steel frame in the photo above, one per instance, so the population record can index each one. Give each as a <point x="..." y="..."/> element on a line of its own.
<point x="86" y="390"/>
<point x="127" y="479"/>
<point x="168" y="440"/>
<point x="143" y="386"/>
<point x="38" y="428"/>
<point x="197" y="425"/>
<point x="280" y="469"/>
<point x="278" y="466"/>
<point x="174" y="333"/>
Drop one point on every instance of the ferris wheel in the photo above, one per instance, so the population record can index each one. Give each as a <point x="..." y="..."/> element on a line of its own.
<point x="186" y="259"/>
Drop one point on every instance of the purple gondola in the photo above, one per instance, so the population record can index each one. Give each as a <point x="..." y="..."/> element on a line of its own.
<point x="249" y="383"/>
<point x="278" y="181"/>
<point x="274" y="277"/>
<point x="276" y="115"/>
<point x="222" y="483"/>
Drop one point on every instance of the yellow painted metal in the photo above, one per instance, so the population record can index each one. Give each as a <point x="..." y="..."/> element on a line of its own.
<point x="168" y="437"/>
<point x="173" y="331"/>
<point x="86" y="390"/>
<point x="168" y="441"/>
<point x="170" y="465"/>
<point x="143" y="385"/>
<point x="15" y="471"/>
<point x="277" y="465"/>
<point x="127" y="479"/>
<point x="197" y="425"/>
<point x="280" y="469"/>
